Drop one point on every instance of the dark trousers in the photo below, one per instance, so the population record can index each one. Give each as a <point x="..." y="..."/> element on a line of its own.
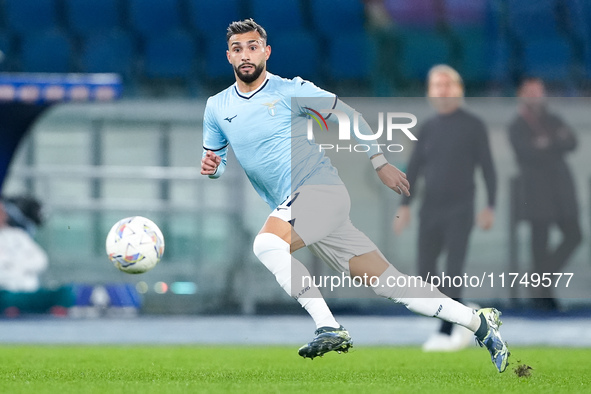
<point x="445" y="230"/>
<point x="549" y="261"/>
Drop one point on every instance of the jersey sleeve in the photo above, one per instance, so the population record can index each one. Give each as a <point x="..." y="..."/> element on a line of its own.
<point x="213" y="139"/>
<point x="308" y="95"/>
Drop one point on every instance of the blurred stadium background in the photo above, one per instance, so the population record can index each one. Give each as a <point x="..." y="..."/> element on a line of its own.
<point x="377" y="47"/>
<point x="94" y="163"/>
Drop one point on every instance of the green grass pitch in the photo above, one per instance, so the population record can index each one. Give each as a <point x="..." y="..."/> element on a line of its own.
<point x="231" y="369"/>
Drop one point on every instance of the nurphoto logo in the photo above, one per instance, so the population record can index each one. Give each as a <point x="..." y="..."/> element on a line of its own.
<point x="393" y="123"/>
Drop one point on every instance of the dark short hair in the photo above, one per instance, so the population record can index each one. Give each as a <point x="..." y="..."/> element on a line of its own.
<point x="245" y="26"/>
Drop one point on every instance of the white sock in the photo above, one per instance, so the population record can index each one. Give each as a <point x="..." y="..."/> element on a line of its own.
<point x="319" y="311"/>
<point x="273" y="252"/>
<point x="420" y="297"/>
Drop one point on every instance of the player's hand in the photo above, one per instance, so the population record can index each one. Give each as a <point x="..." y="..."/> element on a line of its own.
<point x="394" y="179"/>
<point x="486" y="218"/>
<point x="210" y="163"/>
<point x="401" y="219"/>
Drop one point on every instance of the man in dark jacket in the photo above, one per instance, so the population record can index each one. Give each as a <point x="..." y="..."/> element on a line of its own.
<point x="541" y="140"/>
<point x="451" y="146"/>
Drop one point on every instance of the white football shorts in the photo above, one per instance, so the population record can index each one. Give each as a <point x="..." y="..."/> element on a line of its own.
<point x="319" y="214"/>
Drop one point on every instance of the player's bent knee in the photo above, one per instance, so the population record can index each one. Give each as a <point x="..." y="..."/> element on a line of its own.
<point x="268" y="242"/>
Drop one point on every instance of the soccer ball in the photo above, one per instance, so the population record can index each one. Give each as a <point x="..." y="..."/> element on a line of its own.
<point x="135" y="245"/>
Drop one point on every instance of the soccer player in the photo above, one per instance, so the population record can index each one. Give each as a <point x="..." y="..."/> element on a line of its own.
<point x="261" y="117"/>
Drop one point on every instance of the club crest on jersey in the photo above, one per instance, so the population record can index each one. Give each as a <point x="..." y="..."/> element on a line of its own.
<point x="271" y="107"/>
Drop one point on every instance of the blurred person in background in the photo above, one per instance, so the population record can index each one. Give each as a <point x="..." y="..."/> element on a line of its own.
<point x="22" y="262"/>
<point x="541" y="140"/>
<point x="451" y="146"/>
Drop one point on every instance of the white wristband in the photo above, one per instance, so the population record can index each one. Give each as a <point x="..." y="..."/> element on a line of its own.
<point x="378" y="161"/>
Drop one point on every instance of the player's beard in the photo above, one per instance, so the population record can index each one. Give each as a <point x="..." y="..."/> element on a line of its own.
<point x="249" y="78"/>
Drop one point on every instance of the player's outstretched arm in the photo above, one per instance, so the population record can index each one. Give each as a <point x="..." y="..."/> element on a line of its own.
<point x="390" y="175"/>
<point x="210" y="163"/>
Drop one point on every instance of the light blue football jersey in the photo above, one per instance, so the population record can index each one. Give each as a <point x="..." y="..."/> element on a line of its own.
<point x="269" y="136"/>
